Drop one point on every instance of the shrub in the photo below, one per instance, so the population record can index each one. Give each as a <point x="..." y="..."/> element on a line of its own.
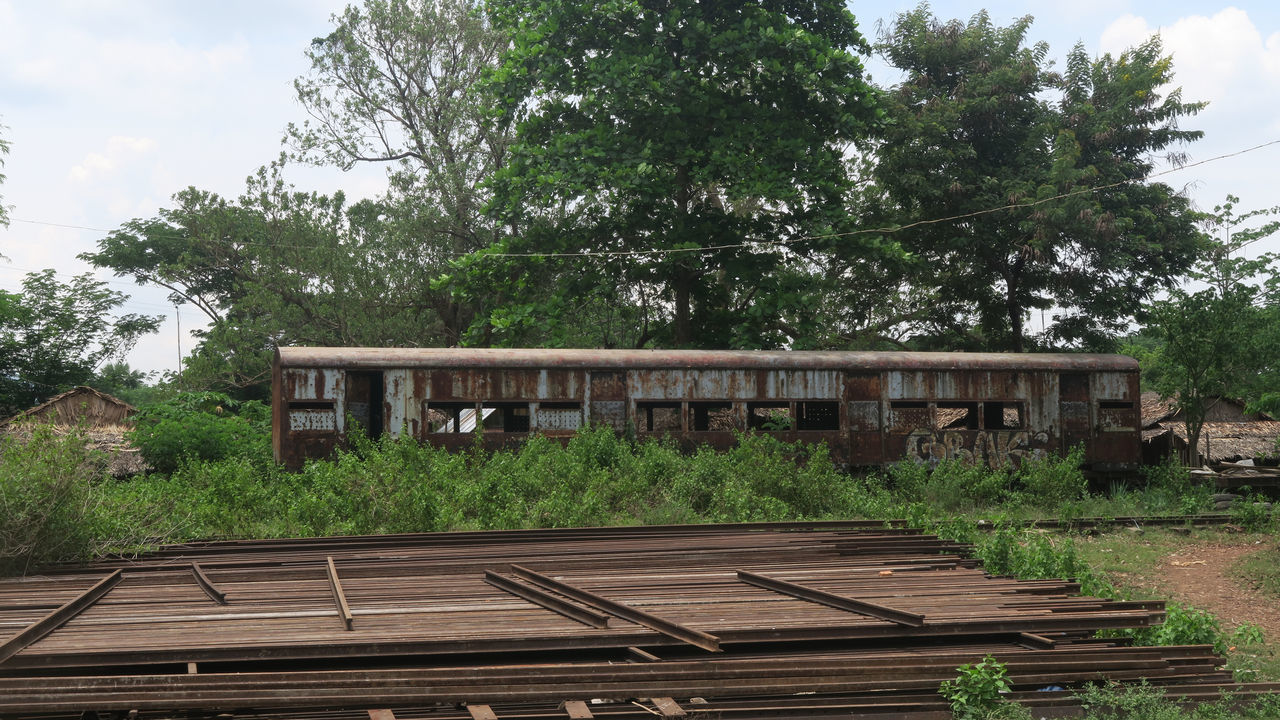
<point x="975" y="694"/>
<point x="203" y="426"/>
<point x="46" y="499"/>
<point x="951" y="485"/>
<point x="1052" y="481"/>
<point x="1184" y="625"/>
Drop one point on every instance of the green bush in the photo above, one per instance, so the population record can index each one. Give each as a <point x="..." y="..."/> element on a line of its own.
<point x="1184" y="625"/>
<point x="201" y="426"/>
<point x="951" y="485"/>
<point x="1115" y="701"/>
<point x="1052" y="481"/>
<point x="976" y="692"/>
<point x="46" y="498"/>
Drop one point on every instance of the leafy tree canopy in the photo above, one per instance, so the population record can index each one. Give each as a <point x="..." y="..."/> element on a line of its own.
<point x="54" y="335"/>
<point x="1043" y="178"/>
<point x="1222" y="340"/>
<point x="666" y="148"/>
<point x="277" y="266"/>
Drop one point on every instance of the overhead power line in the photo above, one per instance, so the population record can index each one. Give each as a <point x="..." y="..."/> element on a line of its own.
<point x="782" y="242"/>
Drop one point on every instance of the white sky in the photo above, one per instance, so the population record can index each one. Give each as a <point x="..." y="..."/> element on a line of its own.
<point x="112" y="106"/>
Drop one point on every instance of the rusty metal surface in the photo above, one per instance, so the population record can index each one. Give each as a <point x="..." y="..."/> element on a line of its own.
<point x="427" y="593"/>
<point x="320" y="357"/>
<point x="869" y="408"/>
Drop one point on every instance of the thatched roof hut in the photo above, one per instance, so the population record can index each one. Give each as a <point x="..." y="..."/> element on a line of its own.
<point x="81" y="405"/>
<point x="103" y="418"/>
<point x="1219" y="409"/>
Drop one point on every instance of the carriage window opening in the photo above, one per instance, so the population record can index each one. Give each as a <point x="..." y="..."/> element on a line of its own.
<point x="311" y="404"/>
<point x="1117" y="415"/>
<point x="817" y="415"/>
<point x="506" y="417"/>
<point x="773" y="416"/>
<point x="908" y="415"/>
<point x="713" y="416"/>
<point x="1003" y="415"/>
<point x="659" y="416"/>
<point x="958" y="415"/>
<point x="451" y="417"/>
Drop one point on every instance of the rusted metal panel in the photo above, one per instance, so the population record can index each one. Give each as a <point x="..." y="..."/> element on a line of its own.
<point x="312" y="384"/>
<point x="692" y="359"/>
<point x="557" y="419"/>
<point x="608" y="386"/>
<point x="609" y="412"/>
<point x="866" y="448"/>
<point x="1112" y="386"/>
<point x="395" y="400"/>
<point x="862" y="386"/>
<point x="310" y="420"/>
<point x="863" y="415"/>
<point x="815" y="384"/>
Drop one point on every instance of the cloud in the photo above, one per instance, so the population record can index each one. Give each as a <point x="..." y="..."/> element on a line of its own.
<point x="1223" y="59"/>
<point x="119" y="150"/>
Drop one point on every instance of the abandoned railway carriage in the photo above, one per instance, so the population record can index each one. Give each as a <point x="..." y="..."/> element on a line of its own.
<point x="870" y="408"/>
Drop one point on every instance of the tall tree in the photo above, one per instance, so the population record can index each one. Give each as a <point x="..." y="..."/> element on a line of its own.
<point x="277" y="266"/>
<point x="670" y="151"/>
<point x="1222" y="340"/>
<point x="395" y="84"/>
<point x="1016" y="201"/>
<point x="54" y="335"/>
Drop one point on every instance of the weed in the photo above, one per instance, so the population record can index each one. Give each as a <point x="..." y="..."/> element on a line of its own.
<point x="976" y="692"/>
<point x="1052" y="481"/>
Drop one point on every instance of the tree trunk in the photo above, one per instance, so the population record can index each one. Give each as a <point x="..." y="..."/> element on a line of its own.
<point x="1193" y="442"/>
<point x="683" y="320"/>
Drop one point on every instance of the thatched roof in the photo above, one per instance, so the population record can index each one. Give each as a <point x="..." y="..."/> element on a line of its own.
<point x="1226" y="441"/>
<point x="1219" y="409"/>
<point x="81" y="404"/>
<point x="1154" y="409"/>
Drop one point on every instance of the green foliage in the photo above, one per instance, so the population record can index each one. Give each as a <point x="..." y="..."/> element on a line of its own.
<point x="117" y="378"/>
<point x="1220" y="341"/>
<point x="982" y="122"/>
<point x="54" y="335"/>
<point x="1052" y="481"/>
<point x="952" y="485"/>
<point x="1253" y="514"/>
<point x="201" y="426"/>
<point x="46" y="499"/>
<point x="1141" y="701"/>
<point x="688" y="138"/>
<point x="975" y="693"/>
<point x="1184" y="625"/>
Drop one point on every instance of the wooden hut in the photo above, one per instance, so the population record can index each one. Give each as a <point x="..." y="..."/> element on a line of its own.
<point x="81" y="405"/>
<point x="104" y="419"/>
<point x="1229" y="434"/>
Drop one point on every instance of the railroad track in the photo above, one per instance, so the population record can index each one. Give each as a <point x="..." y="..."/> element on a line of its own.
<point x="749" y="620"/>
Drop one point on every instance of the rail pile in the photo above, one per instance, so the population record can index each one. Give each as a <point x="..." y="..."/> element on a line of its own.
<point x="732" y="621"/>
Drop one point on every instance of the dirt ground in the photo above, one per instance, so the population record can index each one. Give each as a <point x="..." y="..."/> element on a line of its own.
<point x="1198" y="575"/>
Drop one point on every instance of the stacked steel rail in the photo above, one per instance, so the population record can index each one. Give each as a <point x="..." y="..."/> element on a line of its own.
<point x="804" y="620"/>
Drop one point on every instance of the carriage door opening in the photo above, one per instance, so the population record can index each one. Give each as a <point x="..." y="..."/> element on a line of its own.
<point x="364" y="402"/>
<point x="1073" y="410"/>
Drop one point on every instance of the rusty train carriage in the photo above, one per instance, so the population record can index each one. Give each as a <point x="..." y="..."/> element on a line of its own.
<point x="870" y="408"/>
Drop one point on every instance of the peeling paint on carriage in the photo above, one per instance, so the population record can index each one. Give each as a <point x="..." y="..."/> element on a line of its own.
<point x="870" y="408"/>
